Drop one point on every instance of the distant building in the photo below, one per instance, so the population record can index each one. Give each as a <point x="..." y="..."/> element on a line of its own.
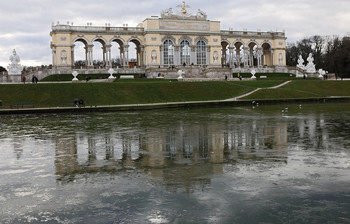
<point x="173" y="39"/>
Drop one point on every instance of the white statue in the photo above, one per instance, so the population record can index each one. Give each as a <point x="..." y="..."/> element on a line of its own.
<point x="111" y="72"/>
<point x="64" y="57"/>
<point x="14" y="68"/>
<point x="201" y="14"/>
<point x="180" y="73"/>
<point x="280" y="59"/>
<point x="75" y="74"/>
<point x="167" y="12"/>
<point x="183" y="7"/>
<point x="310" y="67"/>
<point x="154" y="56"/>
<point x="253" y="72"/>
<point x="216" y="56"/>
<point x="301" y="62"/>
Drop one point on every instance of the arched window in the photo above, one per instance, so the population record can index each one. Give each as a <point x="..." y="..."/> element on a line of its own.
<point x="201" y="51"/>
<point x="168" y="52"/>
<point x="185" y="52"/>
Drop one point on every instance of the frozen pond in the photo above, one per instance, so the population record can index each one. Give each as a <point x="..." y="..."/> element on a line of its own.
<point x="267" y="164"/>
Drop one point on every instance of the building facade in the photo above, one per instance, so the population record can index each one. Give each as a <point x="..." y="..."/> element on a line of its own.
<point x="173" y="39"/>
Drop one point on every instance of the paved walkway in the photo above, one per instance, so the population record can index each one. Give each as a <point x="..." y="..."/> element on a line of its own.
<point x="255" y="90"/>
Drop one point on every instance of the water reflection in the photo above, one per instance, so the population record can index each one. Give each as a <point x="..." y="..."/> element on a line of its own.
<point x="221" y="159"/>
<point x="212" y="143"/>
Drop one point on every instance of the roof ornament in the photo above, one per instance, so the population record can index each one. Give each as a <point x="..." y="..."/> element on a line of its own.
<point x="183" y="7"/>
<point x="183" y="13"/>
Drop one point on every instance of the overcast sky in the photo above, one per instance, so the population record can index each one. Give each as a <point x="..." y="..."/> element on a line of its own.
<point x="26" y="24"/>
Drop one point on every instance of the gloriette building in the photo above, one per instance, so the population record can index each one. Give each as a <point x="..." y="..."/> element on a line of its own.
<point x="175" y="39"/>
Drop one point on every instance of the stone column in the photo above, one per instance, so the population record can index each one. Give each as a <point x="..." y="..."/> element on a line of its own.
<point x="259" y="57"/>
<point x="231" y="56"/>
<point x="245" y="57"/>
<point x="223" y="57"/>
<point x="121" y="56"/>
<point x="272" y="54"/>
<point x="177" y="55"/>
<point x="238" y="57"/>
<point x="72" y="55"/>
<point x="193" y="55"/>
<point x="54" y="62"/>
<point x="104" y="56"/>
<point x="108" y="61"/>
<point x="142" y="51"/>
<point x="251" y="57"/>
<point x="90" y="58"/>
<point x="161" y="50"/>
<point x="126" y="55"/>
<point x="208" y="55"/>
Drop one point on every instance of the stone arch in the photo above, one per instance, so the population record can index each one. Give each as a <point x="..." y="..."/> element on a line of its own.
<point x="267" y="53"/>
<point x="185" y="52"/>
<point x="81" y="39"/>
<point x="253" y="53"/>
<point x="135" y="39"/>
<point x="100" y="39"/>
<point x="185" y="37"/>
<point x="238" y="52"/>
<point x="138" y="51"/>
<point x="86" y="52"/>
<point x="104" y="50"/>
<point x="225" y="45"/>
<point x="238" y="42"/>
<point x="118" y="40"/>
<point x="202" y="56"/>
<point x="252" y="42"/>
<point x="168" y="52"/>
<point x="169" y="37"/>
<point x="119" y="59"/>
<point x="266" y="42"/>
<point x="201" y="38"/>
<point x="226" y="42"/>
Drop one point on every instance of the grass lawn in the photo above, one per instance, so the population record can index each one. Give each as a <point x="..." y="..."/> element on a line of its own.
<point x="143" y="90"/>
<point x="260" y="83"/>
<point x="118" y="93"/>
<point x="304" y="89"/>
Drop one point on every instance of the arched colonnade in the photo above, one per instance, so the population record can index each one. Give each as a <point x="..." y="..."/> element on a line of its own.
<point x="250" y="54"/>
<point x="107" y="49"/>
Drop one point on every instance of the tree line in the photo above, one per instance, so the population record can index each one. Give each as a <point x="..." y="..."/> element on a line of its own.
<point x="331" y="53"/>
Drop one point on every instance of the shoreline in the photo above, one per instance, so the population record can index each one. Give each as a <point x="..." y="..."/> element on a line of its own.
<point x="170" y="105"/>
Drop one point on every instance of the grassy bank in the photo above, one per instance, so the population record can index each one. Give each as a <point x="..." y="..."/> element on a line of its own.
<point x="118" y="93"/>
<point x="142" y="91"/>
<point x="304" y="89"/>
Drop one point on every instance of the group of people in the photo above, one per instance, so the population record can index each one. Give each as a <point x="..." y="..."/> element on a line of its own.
<point x="34" y="79"/>
<point x="79" y="103"/>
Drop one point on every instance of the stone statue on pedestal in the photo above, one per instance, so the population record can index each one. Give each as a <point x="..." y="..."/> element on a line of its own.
<point x="310" y="67"/>
<point x="14" y="68"/>
<point x="301" y="62"/>
<point x="201" y="15"/>
<point x="167" y="13"/>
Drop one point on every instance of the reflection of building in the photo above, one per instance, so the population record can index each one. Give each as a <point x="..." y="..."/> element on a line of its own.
<point x="174" y="39"/>
<point x="193" y="150"/>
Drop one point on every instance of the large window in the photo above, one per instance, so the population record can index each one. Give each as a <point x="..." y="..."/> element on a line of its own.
<point x="185" y="52"/>
<point x="201" y="51"/>
<point x="168" y="52"/>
